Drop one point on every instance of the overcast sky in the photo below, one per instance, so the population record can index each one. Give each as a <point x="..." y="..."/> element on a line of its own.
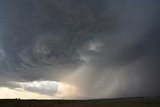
<point x="79" y="48"/>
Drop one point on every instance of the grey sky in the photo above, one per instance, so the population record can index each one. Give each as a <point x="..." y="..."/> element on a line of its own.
<point x="115" y="41"/>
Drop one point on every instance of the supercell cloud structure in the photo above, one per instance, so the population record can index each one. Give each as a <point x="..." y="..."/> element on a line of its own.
<point x="106" y="48"/>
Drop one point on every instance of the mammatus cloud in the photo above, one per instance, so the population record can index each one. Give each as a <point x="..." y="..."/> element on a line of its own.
<point x="105" y="48"/>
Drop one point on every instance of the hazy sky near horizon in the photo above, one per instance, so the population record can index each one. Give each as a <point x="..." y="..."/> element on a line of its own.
<point x="79" y="48"/>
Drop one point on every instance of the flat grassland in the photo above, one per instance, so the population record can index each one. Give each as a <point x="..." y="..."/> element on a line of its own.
<point x="117" y="102"/>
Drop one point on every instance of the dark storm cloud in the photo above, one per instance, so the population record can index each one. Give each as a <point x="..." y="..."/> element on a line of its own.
<point x="36" y="38"/>
<point x="117" y="41"/>
<point x="127" y="62"/>
<point x="41" y="38"/>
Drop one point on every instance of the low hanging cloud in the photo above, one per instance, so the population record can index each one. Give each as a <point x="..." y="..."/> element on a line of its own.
<point x="43" y="87"/>
<point x="106" y="48"/>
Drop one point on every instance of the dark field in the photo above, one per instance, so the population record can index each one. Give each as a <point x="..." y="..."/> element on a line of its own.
<point x="119" y="102"/>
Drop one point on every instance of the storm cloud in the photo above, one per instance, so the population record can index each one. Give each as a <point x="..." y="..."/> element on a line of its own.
<point x="106" y="48"/>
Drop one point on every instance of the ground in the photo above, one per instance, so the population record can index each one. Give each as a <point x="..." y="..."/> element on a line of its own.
<point x="117" y="102"/>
